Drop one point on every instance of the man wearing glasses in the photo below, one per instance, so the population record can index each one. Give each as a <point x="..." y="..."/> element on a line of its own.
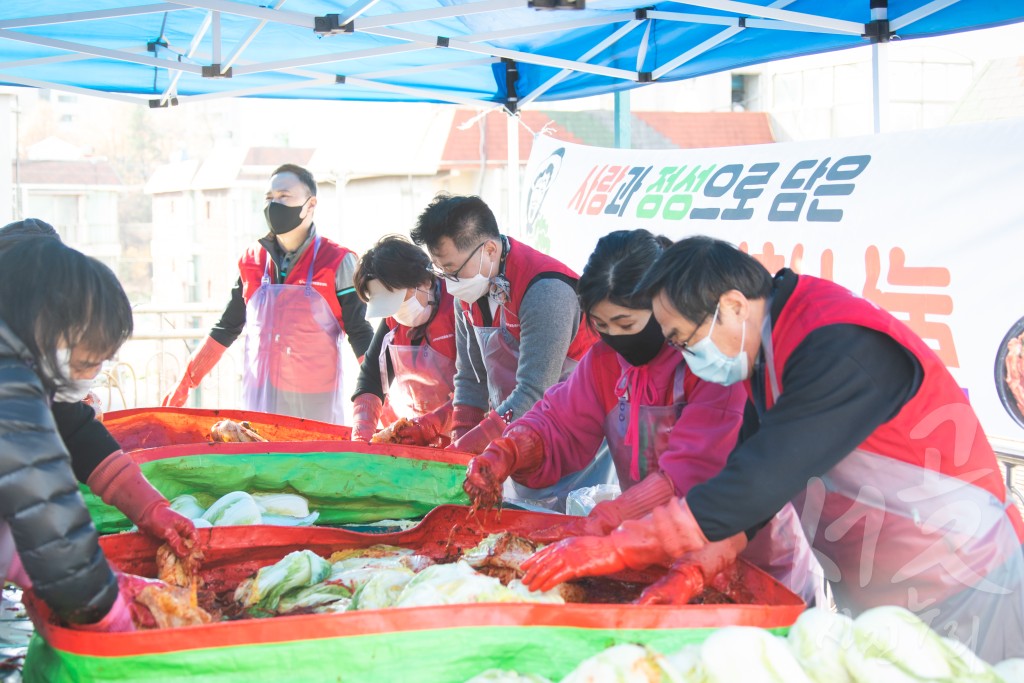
<point x="854" y="419"/>
<point x="296" y="303"/>
<point x="518" y="326"/>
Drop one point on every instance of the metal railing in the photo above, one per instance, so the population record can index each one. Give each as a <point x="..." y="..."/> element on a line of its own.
<point x="153" y="360"/>
<point x="1011" y="456"/>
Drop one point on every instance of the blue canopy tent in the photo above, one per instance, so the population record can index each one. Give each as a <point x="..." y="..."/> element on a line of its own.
<point x="478" y="52"/>
<point x="481" y="53"/>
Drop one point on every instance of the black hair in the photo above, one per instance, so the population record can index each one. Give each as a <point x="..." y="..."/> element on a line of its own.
<point x="695" y="272"/>
<point x="616" y="266"/>
<point x="304" y="176"/>
<point x="28" y="229"/>
<point x="464" y="220"/>
<point x="396" y="263"/>
<point x="52" y="296"/>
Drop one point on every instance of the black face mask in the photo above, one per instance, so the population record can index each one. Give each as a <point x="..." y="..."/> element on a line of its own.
<point x="282" y="219"/>
<point x="639" y="348"/>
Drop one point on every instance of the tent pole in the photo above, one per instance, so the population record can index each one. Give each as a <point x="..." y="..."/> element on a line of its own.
<point x="7" y="104"/>
<point x="880" y="84"/>
<point x="623" y="121"/>
<point x="512" y="122"/>
<point x="880" y="65"/>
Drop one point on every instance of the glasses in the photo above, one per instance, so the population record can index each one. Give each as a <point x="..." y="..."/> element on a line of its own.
<point x="684" y="345"/>
<point x="454" y="277"/>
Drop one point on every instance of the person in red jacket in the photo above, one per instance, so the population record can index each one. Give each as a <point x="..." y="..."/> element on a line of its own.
<point x="518" y="325"/>
<point x="667" y="429"/>
<point x="409" y="369"/>
<point x="518" y="328"/>
<point x="295" y="301"/>
<point x="859" y="424"/>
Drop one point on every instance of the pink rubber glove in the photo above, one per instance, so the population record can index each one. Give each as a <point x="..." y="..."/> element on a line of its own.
<point x="426" y="429"/>
<point x="119" y="482"/>
<point x="366" y="410"/>
<point x="476" y="439"/>
<point x="634" y="503"/>
<point x="519" y="452"/>
<point x="667" y="533"/>
<point x="93" y="401"/>
<point x="118" y="620"/>
<point x="199" y="365"/>
<point x="693" y="572"/>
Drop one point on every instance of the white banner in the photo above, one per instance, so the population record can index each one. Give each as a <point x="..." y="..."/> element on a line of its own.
<point x="929" y="225"/>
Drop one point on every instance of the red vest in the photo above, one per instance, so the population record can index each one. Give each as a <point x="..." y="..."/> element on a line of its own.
<point x="440" y="332"/>
<point x="937" y="429"/>
<point x="524" y="266"/>
<point x="328" y="258"/>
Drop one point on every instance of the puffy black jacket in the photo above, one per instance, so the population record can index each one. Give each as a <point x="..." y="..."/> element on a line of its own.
<point x="39" y="497"/>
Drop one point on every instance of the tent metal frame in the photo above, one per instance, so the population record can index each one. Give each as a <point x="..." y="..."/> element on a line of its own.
<point x="733" y="15"/>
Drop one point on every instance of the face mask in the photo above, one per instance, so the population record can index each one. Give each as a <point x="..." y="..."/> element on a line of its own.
<point x="283" y="219"/>
<point x="639" y="348"/>
<point x="709" y="363"/>
<point x="469" y="289"/>
<point x="412" y="313"/>
<point x="77" y="389"/>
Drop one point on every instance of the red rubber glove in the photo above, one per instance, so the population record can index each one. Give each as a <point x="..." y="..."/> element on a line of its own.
<point x="465" y="418"/>
<point x="118" y="619"/>
<point x="477" y="438"/>
<point x="201" y="362"/>
<point x="119" y="482"/>
<point x="668" y="532"/>
<point x="693" y="572"/>
<point x="426" y="429"/>
<point x="518" y="453"/>
<point x="635" y="502"/>
<point x="366" y="410"/>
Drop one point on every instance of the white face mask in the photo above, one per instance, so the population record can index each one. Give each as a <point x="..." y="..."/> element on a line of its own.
<point x="77" y="389"/>
<point x="412" y="313"/>
<point x="708" y="362"/>
<point x="469" y="289"/>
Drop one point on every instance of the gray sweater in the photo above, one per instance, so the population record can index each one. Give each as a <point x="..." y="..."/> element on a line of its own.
<point x="549" y="318"/>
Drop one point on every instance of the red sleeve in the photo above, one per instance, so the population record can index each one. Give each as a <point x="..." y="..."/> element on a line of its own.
<point x="570" y="416"/>
<point x="705" y="434"/>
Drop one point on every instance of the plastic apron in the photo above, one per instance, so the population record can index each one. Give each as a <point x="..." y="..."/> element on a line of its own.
<point x="500" y="353"/>
<point x="892" y="533"/>
<point x="292" y="351"/>
<point x="7" y="549"/>
<point x="424" y="379"/>
<point x="779" y="548"/>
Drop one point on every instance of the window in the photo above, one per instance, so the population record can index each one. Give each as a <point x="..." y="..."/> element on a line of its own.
<point x="744" y="92"/>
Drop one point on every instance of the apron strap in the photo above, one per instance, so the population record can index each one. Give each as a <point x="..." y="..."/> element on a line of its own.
<point x="636" y="385"/>
<point x="769" y="350"/>
<point x="679" y="385"/>
<point x="383" y="359"/>
<point x="266" y="272"/>
<point x="312" y="265"/>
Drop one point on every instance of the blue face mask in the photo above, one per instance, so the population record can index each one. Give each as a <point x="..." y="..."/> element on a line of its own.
<point x="708" y="362"/>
